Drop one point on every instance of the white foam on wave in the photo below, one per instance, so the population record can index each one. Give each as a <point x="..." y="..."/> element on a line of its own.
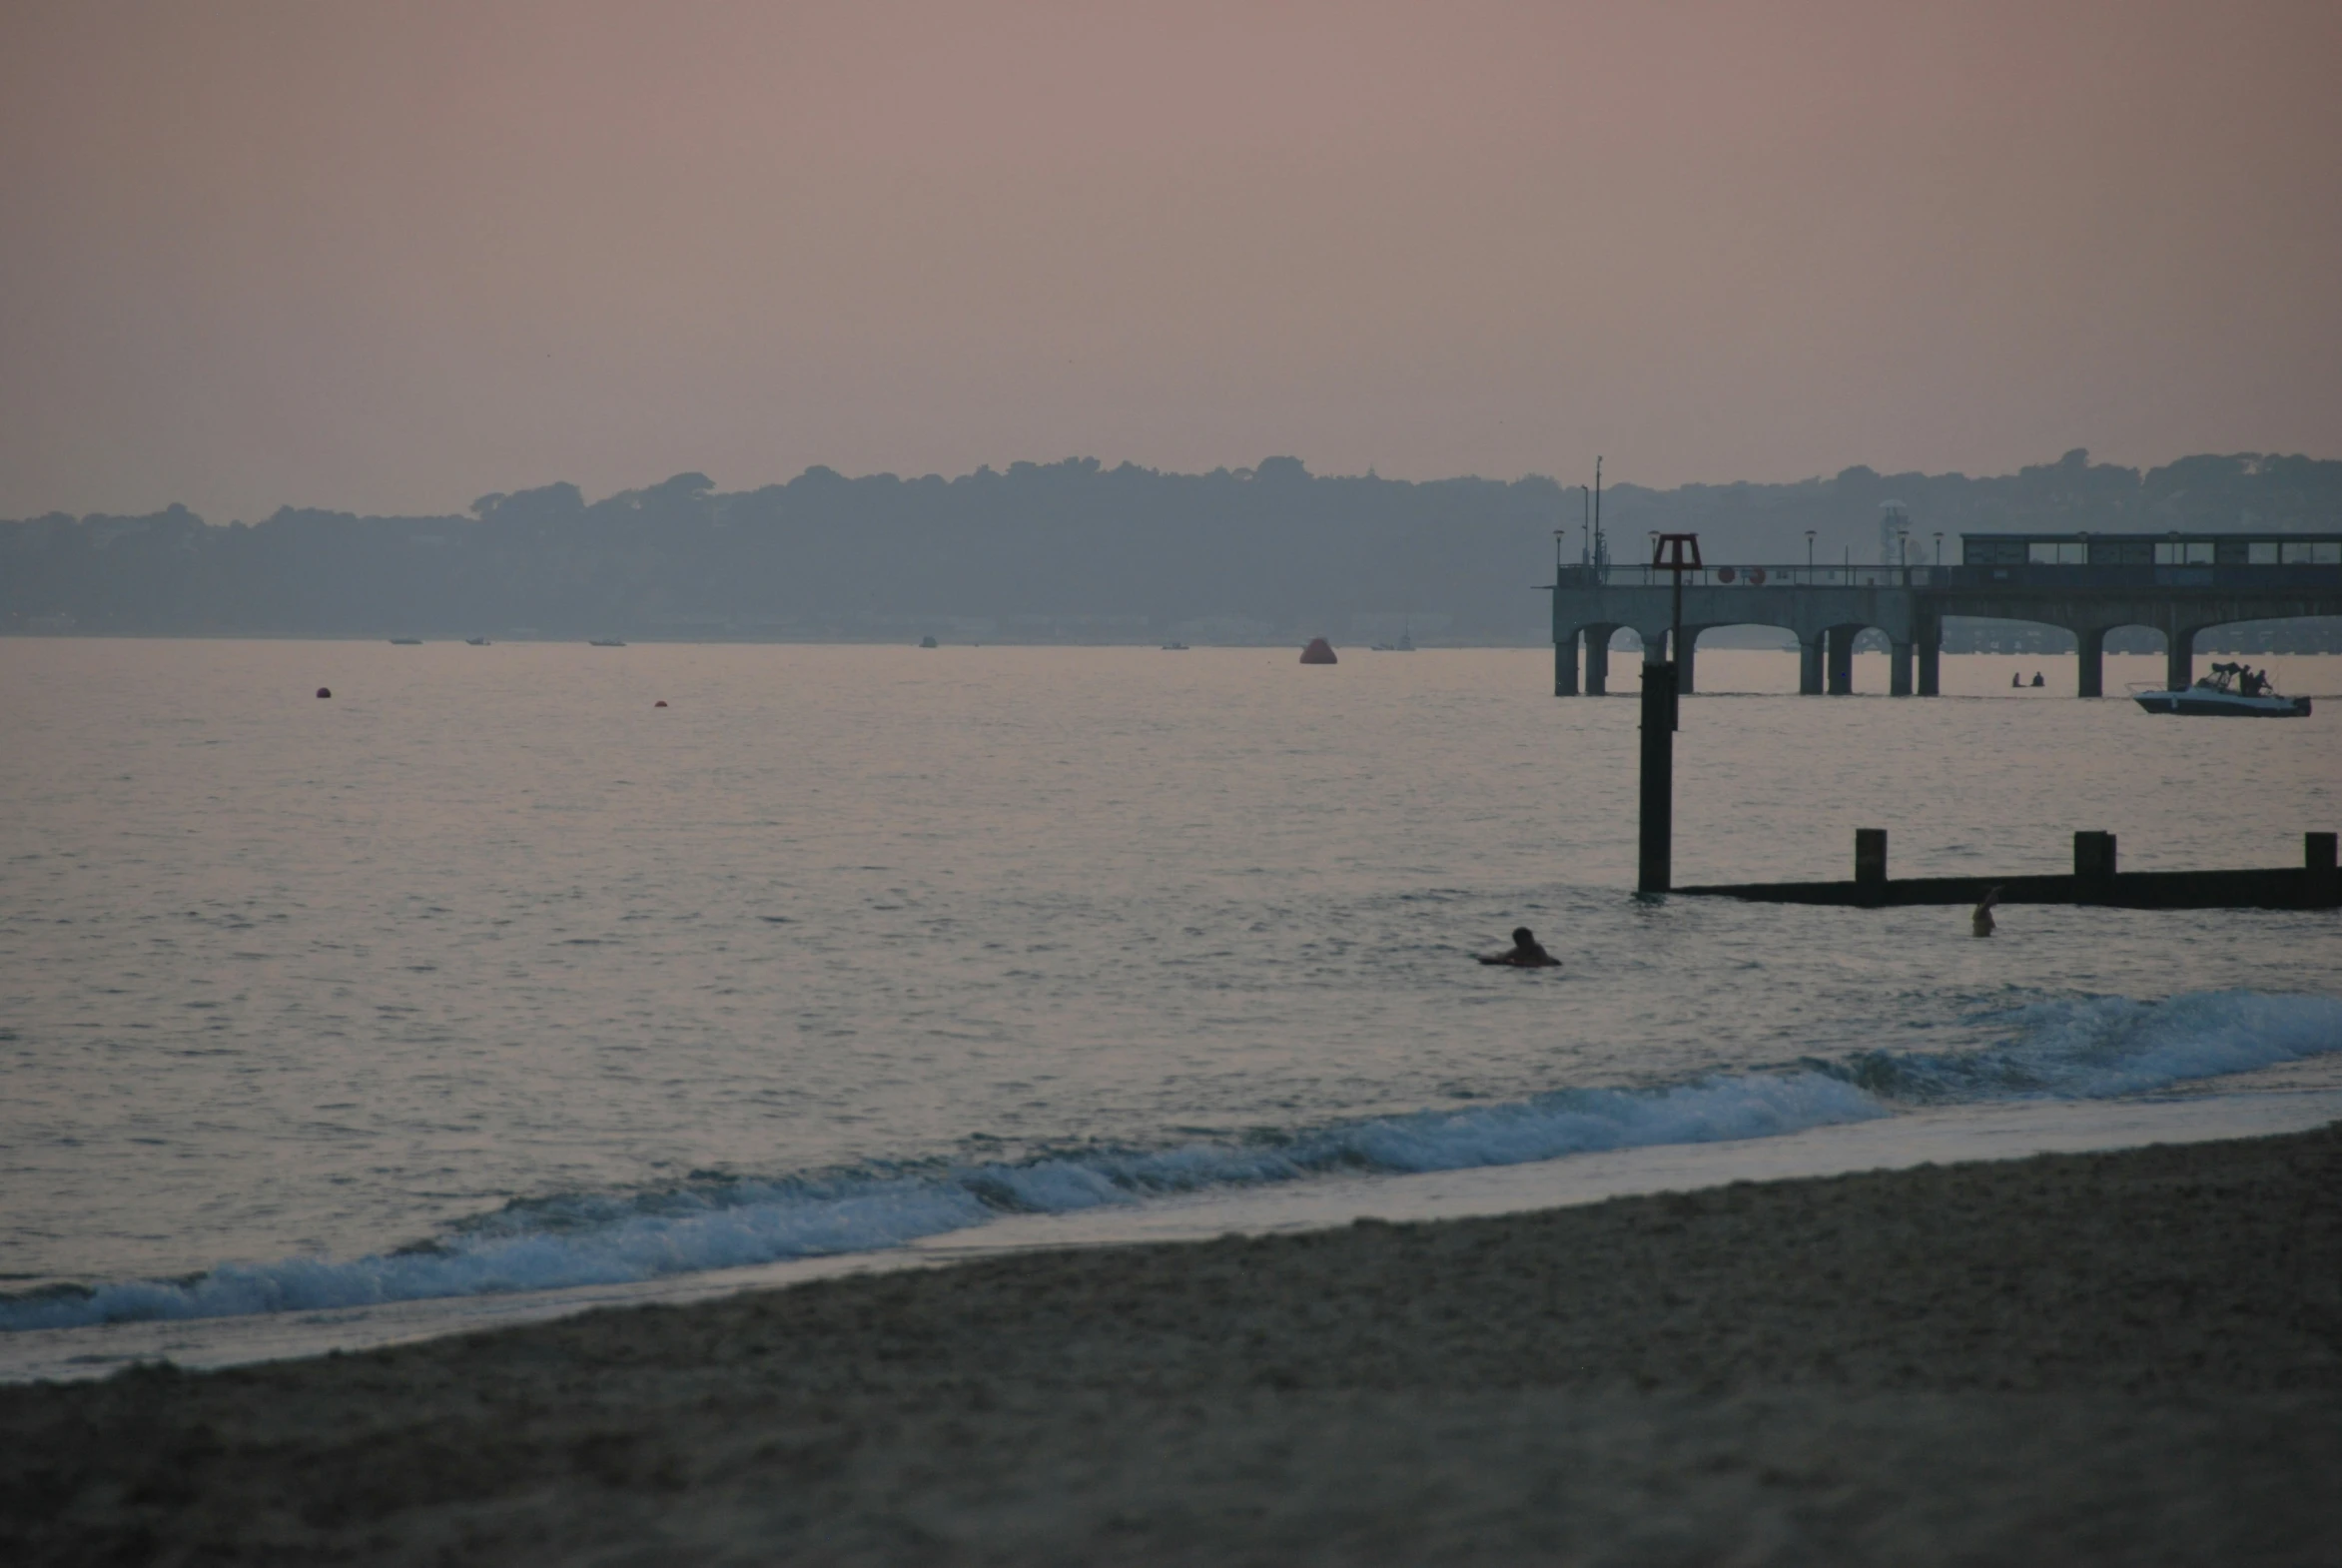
<point x="2089" y="1047"/>
<point x="608" y="1239"/>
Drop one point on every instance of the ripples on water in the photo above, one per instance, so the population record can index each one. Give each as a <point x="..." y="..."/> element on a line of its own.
<point x="486" y="953"/>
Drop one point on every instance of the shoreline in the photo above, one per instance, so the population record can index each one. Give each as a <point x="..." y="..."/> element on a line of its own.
<point x="2130" y="1354"/>
<point x="1944" y="1135"/>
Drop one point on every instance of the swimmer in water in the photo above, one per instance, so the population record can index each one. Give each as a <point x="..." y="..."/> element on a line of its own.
<point x="1526" y="953"/>
<point x="1982" y="921"/>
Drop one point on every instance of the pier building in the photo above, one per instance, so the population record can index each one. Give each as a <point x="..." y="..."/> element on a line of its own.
<point x="2090" y="584"/>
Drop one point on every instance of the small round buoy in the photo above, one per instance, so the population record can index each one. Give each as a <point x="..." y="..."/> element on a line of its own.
<point x="662" y="702"/>
<point x="325" y="691"/>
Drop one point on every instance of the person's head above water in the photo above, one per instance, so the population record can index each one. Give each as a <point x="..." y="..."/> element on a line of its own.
<point x="1526" y="953"/>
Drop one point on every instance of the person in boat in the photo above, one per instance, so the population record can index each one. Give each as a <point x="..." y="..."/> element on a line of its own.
<point x="1982" y="921"/>
<point x="2037" y="680"/>
<point x="1526" y="952"/>
<point x="2251" y="684"/>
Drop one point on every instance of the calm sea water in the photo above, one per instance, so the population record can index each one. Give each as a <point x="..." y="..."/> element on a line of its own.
<point x="487" y="974"/>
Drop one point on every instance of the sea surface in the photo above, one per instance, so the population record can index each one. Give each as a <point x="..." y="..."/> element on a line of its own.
<point x="488" y="976"/>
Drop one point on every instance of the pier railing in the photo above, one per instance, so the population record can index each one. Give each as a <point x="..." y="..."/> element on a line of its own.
<point x="2022" y="576"/>
<point x="1632" y="576"/>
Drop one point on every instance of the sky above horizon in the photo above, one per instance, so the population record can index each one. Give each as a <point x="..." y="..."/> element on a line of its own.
<point x="389" y="258"/>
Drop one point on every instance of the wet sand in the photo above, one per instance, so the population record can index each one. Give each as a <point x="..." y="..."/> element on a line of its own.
<point x="2125" y="1357"/>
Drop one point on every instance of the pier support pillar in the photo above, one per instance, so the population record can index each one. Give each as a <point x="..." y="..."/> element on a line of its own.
<point x="1683" y="661"/>
<point x="1809" y="666"/>
<point x="1899" y="669"/>
<point x="1598" y="661"/>
<point x="1931" y="663"/>
<point x="2179" y="658"/>
<point x="1565" y="665"/>
<point x="2091" y="647"/>
<point x="1841" y="657"/>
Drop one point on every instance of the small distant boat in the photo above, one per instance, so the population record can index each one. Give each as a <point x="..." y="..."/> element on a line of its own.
<point x="927" y="642"/>
<point x="475" y="643"/>
<point x="406" y="642"/>
<point x="1406" y="643"/>
<point x="605" y="642"/>
<point x="2230" y="691"/>
<point x="1174" y="647"/>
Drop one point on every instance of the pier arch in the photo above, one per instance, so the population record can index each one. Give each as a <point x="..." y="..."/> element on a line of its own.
<point x="2091" y="651"/>
<point x="2179" y="671"/>
<point x="1826" y="663"/>
<point x="1687" y="658"/>
<point x="1598" y="638"/>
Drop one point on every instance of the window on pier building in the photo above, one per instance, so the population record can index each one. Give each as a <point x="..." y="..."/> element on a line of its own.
<point x="2311" y="552"/>
<point x="2058" y="553"/>
<point x="2260" y="552"/>
<point x="2183" y="552"/>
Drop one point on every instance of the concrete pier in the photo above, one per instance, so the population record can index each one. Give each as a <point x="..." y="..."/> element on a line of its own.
<point x="1827" y="608"/>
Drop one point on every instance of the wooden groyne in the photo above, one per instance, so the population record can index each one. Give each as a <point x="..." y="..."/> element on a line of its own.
<point x="2314" y="884"/>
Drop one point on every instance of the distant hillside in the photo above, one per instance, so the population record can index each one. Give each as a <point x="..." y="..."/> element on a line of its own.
<point x="1042" y="553"/>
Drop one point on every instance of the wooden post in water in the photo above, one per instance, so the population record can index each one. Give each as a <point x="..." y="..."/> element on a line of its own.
<point x="1870" y="857"/>
<point x="1654" y="870"/>
<point x="2317" y="865"/>
<point x="2094" y="865"/>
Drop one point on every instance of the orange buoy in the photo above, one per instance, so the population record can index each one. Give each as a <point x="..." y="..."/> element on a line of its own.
<point x="662" y="702"/>
<point x="325" y="691"/>
<point x="1319" y="651"/>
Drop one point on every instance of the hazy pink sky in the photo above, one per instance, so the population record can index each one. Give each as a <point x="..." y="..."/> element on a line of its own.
<point x="391" y="256"/>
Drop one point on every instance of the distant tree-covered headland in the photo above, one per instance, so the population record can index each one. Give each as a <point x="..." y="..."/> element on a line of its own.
<point x="1066" y="551"/>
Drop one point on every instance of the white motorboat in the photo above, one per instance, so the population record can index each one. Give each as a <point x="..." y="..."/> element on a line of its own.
<point x="2230" y="690"/>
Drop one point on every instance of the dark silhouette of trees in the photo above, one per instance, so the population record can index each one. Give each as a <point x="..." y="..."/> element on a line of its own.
<point x="1069" y="551"/>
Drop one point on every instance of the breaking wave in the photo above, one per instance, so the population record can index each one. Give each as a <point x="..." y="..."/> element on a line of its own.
<point x="2077" y="1049"/>
<point x="2094" y="1047"/>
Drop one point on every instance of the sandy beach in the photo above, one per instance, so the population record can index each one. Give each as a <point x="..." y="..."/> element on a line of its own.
<point x="2123" y="1358"/>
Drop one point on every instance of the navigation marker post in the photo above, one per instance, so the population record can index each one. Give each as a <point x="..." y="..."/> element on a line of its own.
<point x="1654" y="870"/>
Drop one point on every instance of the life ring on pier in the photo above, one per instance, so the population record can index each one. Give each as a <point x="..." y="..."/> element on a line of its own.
<point x="1724" y="574"/>
<point x="1756" y="576"/>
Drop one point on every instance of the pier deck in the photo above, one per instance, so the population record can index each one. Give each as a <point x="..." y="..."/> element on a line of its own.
<point x="2113" y="581"/>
